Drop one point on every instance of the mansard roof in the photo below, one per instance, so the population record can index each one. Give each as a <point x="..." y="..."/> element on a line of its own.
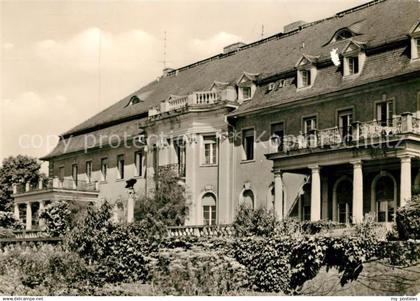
<point x="273" y="55"/>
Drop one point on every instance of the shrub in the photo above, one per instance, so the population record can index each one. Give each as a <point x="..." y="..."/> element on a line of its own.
<point x="121" y="252"/>
<point x="399" y="253"/>
<point x="408" y="219"/>
<point x="60" y="217"/>
<point x="47" y="270"/>
<point x="180" y="272"/>
<point x="257" y="222"/>
<point x="8" y="221"/>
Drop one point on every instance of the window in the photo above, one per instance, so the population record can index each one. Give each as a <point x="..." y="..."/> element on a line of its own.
<point x="353" y="63"/>
<point x="277" y="135"/>
<point x="248" y="199"/>
<point x="120" y="166"/>
<point x="210" y="150"/>
<point x="61" y="175"/>
<point x="309" y="124"/>
<point x="138" y="162"/>
<point x="248" y="144"/>
<point x="104" y="168"/>
<point x="385" y="199"/>
<point x="384" y="113"/>
<point x="345" y="119"/>
<point x="418" y="46"/>
<point x="133" y="100"/>
<point x="209" y="209"/>
<point x="246" y="92"/>
<point x="74" y="172"/>
<point x="305" y="78"/>
<point x="343" y="34"/>
<point x="181" y="156"/>
<point x="89" y="171"/>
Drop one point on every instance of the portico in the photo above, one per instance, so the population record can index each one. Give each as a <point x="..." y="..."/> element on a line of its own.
<point x="349" y="181"/>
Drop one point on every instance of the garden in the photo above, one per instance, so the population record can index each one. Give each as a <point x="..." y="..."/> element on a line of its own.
<point x="100" y="257"/>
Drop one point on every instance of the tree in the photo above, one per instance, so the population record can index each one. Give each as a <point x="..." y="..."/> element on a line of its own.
<point x="19" y="169"/>
<point x="169" y="203"/>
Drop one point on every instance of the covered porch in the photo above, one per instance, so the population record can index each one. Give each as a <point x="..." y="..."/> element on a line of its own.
<point x="346" y="183"/>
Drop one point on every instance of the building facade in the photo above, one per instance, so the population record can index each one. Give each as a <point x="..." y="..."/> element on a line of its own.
<point x="321" y="121"/>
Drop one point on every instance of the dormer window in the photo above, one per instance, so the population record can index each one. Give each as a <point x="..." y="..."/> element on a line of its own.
<point x="133" y="100"/>
<point x="343" y="34"/>
<point x="246" y="86"/>
<point x="353" y="59"/>
<point x="306" y="71"/>
<point x="353" y="65"/>
<point x="246" y="92"/>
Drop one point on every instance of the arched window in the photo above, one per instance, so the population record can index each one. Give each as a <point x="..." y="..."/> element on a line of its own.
<point x="209" y="209"/>
<point x="248" y="198"/>
<point x="133" y="100"/>
<point x="385" y="199"/>
<point x="343" y="34"/>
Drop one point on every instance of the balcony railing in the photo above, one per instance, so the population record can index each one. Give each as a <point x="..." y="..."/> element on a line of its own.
<point x="359" y="131"/>
<point x="178" y="102"/>
<point x="56" y="183"/>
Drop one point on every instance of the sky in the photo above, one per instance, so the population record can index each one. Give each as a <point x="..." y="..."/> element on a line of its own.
<point x="63" y="61"/>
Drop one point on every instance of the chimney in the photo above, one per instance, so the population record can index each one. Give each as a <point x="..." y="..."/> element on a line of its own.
<point x="167" y="71"/>
<point x="293" y="26"/>
<point x="233" y="47"/>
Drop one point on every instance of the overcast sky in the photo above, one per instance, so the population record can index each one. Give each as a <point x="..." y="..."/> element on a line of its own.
<point x="63" y="61"/>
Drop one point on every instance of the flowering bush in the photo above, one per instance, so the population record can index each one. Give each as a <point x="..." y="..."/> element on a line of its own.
<point x="259" y="222"/>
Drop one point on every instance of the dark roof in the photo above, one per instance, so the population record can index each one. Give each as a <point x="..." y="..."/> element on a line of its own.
<point x="279" y="53"/>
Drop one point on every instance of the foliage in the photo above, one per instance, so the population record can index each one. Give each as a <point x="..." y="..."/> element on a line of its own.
<point x="120" y="251"/>
<point x="169" y="204"/>
<point x="19" y="169"/>
<point x="8" y="221"/>
<point x="57" y="218"/>
<point x="259" y="222"/>
<point x="399" y="253"/>
<point x="45" y="270"/>
<point x="197" y="273"/>
<point x="408" y="219"/>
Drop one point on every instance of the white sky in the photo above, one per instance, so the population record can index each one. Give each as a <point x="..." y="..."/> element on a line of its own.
<point x="53" y="75"/>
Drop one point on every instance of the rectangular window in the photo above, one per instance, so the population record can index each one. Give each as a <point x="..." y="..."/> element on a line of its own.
<point x="138" y="161"/>
<point x="89" y="171"/>
<point x="180" y="151"/>
<point x="305" y="76"/>
<point x="61" y="174"/>
<point x="248" y="144"/>
<point x="277" y="135"/>
<point x="345" y="119"/>
<point x="210" y="150"/>
<point x="353" y="63"/>
<point x="104" y="168"/>
<point x="120" y="166"/>
<point x="309" y="124"/>
<point x="384" y="112"/>
<point x="209" y="215"/>
<point x="246" y="92"/>
<point x="74" y="173"/>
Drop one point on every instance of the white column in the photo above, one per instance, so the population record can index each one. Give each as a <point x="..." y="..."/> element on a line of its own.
<point x="315" y="194"/>
<point x="16" y="207"/>
<point x="224" y="214"/>
<point x="28" y="216"/>
<point x="357" y="191"/>
<point x="130" y="207"/>
<point x="195" y="213"/>
<point x="405" y="188"/>
<point x="278" y="195"/>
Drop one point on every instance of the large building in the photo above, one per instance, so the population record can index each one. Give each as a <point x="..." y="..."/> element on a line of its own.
<point x="321" y="121"/>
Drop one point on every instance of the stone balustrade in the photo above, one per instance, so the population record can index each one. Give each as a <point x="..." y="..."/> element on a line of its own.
<point x="204" y="230"/>
<point x="56" y="183"/>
